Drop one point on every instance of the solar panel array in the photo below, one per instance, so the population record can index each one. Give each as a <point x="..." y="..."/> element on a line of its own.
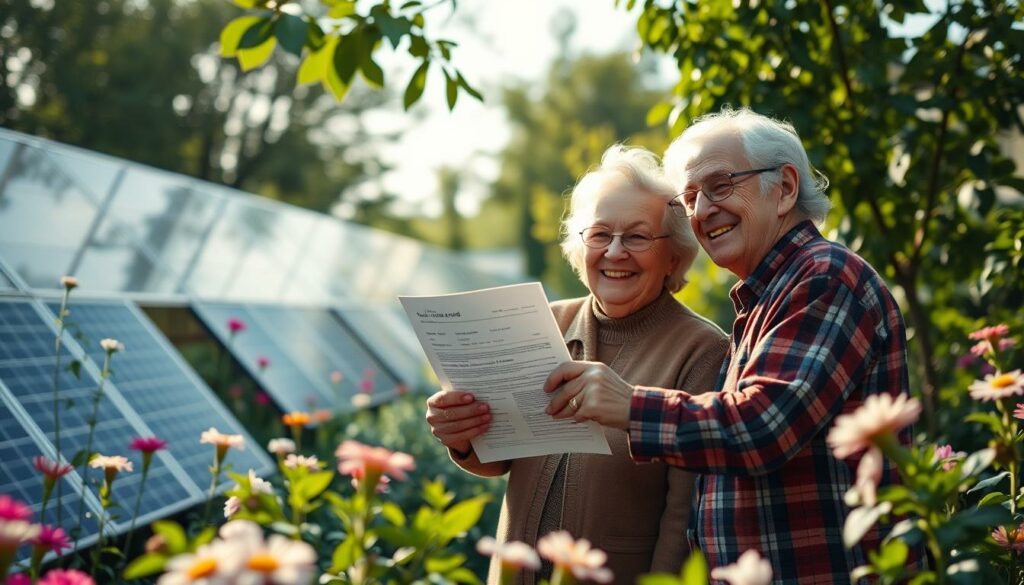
<point x="151" y="393"/>
<point x="304" y="348"/>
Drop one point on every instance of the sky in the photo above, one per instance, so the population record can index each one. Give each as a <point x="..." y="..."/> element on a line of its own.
<point x="500" y="42"/>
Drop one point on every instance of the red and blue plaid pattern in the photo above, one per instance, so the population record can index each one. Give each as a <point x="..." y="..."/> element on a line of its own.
<point x="816" y="332"/>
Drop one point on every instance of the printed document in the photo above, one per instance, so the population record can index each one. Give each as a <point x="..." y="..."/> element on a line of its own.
<point x="500" y="344"/>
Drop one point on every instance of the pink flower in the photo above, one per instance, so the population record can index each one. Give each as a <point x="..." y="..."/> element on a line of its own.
<point x="990" y="333"/>
<point x="512" y="555"/>
<point x="997" y="387"/>
<point x="19" y="579"/>
<point x="66" y="577"/>
<point x="53" y="470"/>
<point x="263" y="361"/>
<point x="366" y="386"/>
<point x="878" y="416"/>
<point x="262" y="398"/>
<point x="356" y="457"/>
<point x="980" y="349"/>
<point x="1005" y="344"/>
<point x="947" y="456"/>
<point x="1013" y="539"/>
<point x="337" y="377"/>
<point x="51" y="538"/>
<point x="11" y="509"/>
<point x="382" y="485"/>
<point x="236" y="325"/>
<point x="577" y="556"/>
<point x="1019" y="412"/>
<point x="147" y="444"/>
<point x="749" y="569"/>
<point x="215" y="437"/>
<point x="231" y="506"/>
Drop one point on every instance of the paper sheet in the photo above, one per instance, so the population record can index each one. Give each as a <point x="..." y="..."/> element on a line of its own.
<point x="500" y="344"/>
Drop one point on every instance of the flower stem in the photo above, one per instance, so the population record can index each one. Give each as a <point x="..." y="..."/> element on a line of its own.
<point x="97" y="398"/>
<point x="138" y="503"/>
<point x="215" y="472"/>
<point x="56" y="394"/>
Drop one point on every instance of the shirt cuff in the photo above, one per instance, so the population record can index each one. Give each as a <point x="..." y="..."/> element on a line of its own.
<point x="652" y="434"/>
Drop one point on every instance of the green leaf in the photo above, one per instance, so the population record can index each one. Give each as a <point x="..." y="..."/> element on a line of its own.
<point x="76" y="368"/>
<point x="444" y="564"/>
<point x="464" y="515"/>
<point x="250" y="59"/>
<point x="346" y="56"/>
<point x="342" y="9"/>
<point x="469" y="89"/>
<point x="695" y="570"/>
<point x="257" y="34"/>
<point x="414" y="90"/>
<point x="463" y="575"/>
<point x="144" y="566"/>
<point x="659" y="113"/>
<point x="993" y="499"/>
<point x="418" y="46"/>
<point x="291" y="31"/>
<point x="451" y="91"/>
<point x="345" y="555"/>
<point x="658" y="579"/>
<point x="204" y="537"/>
<point x="232" y="33"/>
<point x="393" y="28"/>
<point x="174" y="536"/>
<point x="984" y="517"/>
<point x="392" y="512"/>
<point x="977" y="462"/>
<point x="410" y="4"/>
<point x="990" y="482"/>
<point x="314" y="484"/>
<point x="372" y="72"/>
<point x="314" y="66"/>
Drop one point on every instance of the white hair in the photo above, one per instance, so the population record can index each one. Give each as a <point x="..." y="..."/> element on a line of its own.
<point x="766" y="143"/>
<point x="639" y="169"/>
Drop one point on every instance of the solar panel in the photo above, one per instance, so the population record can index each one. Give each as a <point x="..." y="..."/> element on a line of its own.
<point x="138" y="400"/>
<point x="304" y="347"/>
<point x="173" y="402"/>
<point x="390" y="337"/>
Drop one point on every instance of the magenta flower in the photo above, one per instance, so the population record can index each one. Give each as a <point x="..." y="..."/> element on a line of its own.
<point x="1019" y="412"/>
<point x="262" y="398"/>
<point x="263" y="361"/>
<point x="53" y="470"/>
<point x="51" y="539"/>
<point x="236" y="325"/>
<point x="366" y="386"/>
<point x="11" y="509"/>
<point x="66" y="577"/>
<point x="19" y="579"/>
<point x="148" y="445"/>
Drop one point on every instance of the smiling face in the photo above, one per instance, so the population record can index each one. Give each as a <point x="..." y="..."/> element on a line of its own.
<point x="739" y="231"/>
<point x="622" y="281"/>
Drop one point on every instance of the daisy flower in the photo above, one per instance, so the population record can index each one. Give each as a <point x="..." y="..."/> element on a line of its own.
<point x="879" y="415"/>
<point x="575" y="556"/>
<point x="749" y="569"/>
<point x="513" y="555"/>
<point x="281" y="447"/>
<point x="998" y="386"/>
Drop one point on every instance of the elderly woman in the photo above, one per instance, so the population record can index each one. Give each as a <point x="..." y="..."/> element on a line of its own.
<point x="632" y="253"/>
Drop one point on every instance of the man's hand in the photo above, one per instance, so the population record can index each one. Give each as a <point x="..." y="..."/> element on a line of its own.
<point x="589" y="391"/>
<point x="456" y="417"/>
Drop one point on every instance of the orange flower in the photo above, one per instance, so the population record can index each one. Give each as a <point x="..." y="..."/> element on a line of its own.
<point x="295" y="419"/>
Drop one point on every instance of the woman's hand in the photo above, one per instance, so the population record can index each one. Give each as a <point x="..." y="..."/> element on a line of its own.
<point x="589" y="391"/>
<point x="456" y="417"/>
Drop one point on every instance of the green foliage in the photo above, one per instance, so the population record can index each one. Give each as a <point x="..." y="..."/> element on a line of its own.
<point x="905" y="123"/>
<point x="338" y="39"/>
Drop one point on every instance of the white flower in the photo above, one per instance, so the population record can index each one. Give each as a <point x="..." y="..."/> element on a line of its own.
<point x="880" y="414"/>
<point x="258" y="484"/>
<point x="511" y="555"/>
<point x="869" y="473"/>
<point x="998" y="386"/>
<point x="749" y="569"/>
<point x="281" y="561"/>
<point x="215" y="437"/>
<point x="216" y="563"/>
<point x="114" y="462"/>
<point x="68" y="282"/>
<point x="294" y="461"/>
<point x="281" y="447"/>
<point x="111" y="345"/>
<point x="14" y="533"/>
<point x="231" y="506"/>
<point x="361" y="400"/>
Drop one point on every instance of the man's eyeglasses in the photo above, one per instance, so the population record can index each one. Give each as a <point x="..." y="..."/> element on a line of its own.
<point x="716" y="188"/>
<point x="598" y="237"/>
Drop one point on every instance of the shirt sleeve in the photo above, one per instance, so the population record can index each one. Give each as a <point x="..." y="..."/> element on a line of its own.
<point x="817" y="344"/>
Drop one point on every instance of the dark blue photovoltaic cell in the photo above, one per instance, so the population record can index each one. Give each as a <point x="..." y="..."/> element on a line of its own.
<point x="286" y="381"/>
<point x="304" y="347"/>
<point x="175" y="406"/>
<point x="26" y="370"/>
<point x="20" y="480"/>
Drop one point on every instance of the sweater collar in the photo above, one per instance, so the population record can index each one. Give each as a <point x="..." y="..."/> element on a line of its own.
<point x="590" y="326"/>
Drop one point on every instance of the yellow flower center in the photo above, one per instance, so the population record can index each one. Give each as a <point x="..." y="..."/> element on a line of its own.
<point x="202" y="568"/>
<point x="263" y="563"/>
<point x="1002" y="381"/>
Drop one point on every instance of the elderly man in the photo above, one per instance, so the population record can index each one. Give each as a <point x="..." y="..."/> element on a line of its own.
<point x="816" y="332"/>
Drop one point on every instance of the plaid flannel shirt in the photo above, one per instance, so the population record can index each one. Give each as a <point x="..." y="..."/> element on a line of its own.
<point x="816" y="332"/>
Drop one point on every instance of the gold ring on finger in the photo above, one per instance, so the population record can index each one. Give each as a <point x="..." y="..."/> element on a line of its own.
<point x="574" y="402"/>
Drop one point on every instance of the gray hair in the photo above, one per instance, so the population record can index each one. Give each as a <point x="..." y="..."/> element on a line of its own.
<point x="766" y="143"/>
<point x="638" y="168"/>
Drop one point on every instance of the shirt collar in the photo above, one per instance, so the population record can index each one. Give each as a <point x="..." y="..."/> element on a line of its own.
<point x="749" y="290"/>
